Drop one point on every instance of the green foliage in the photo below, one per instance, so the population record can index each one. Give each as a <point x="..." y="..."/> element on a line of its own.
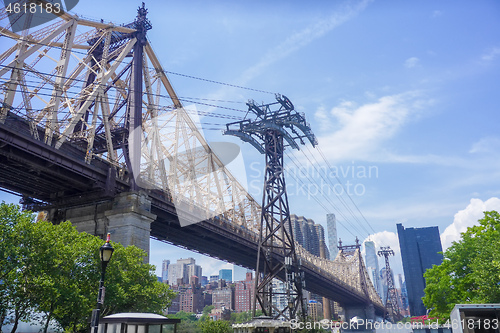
<point x="55" y="270"/>
<point x="185" y="316"/>
<point x="188" y="327"/>
<point x="215" y="326"/>
<point x="207" y="309"/>
<point x="206" y="312"/>
<point x="68" y="273"/>
<point x="16" y="292"/>
<point x="132" y="286"/>
<point x="241" y="317"/>
<point x="188" y="324"/>
<point x="470" y="272"/>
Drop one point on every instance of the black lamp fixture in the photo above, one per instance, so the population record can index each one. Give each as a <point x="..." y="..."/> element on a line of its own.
<point x="105" y="253"/>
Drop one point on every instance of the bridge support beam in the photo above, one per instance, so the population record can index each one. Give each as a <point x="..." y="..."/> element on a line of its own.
<point x="127" y="218"/>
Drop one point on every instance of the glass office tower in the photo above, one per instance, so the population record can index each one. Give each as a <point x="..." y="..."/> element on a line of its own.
<point x="420" y="249"/>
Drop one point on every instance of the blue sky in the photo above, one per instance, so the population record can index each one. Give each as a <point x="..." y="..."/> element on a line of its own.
<point x="406" y="88"/>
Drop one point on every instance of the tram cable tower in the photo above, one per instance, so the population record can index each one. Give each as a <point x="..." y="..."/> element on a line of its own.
<point x="270" y="132"/>
<point x="391" y="299"/>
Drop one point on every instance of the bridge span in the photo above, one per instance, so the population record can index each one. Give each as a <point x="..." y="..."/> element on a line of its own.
<point x="91" y="138"/>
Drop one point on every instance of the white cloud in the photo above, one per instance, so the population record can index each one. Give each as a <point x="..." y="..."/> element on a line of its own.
<point x="358" y="132"/>
<point x="491" y="54"/>
<point x="467" y="217"/>
<point x="411" y="62"/>
<point x="323" y="118"/>
<point x="362" y="129"/>
<point x="486" y="145"/>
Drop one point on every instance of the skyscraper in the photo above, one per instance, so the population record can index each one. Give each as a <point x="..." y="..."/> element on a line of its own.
<point x="279" y="296"/>
<point x="404" y="294"/>
<point x="176" y="274"/>
<point x="331" y="225"/>
<point x="223" y="298"/>
<point x="226" y="274"/>
<point x="243" y="294"/>
<point x="315" y="310"/>
<point x="309" y="235"/>
<point x="320" y="231"/>
<point x="420" y="249"/>
<point x="204" y="281"/>
<point x="164" y="270"/>
<point x="371" y="260"/>
<point x="182" y="270"/>
<point x="194" y="270"/>
<point x="239" y="273"/>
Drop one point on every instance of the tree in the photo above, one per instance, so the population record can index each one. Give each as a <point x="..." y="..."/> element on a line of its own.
<point x="241" y="317"/>
<point x="470" y="272"/>
<point x="17" y="269"/>
<point x="215" y="326"/>
<point x="68" y="276"/>
<point x="132" y="286"/>
<point x="55" y="270"/>
<point x="207" y="309"/>
<point x="188" y="324"/>
<point x="206" y="312"/>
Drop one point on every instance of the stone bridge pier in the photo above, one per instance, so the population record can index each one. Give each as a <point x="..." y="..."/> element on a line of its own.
<point x="127" y="217"/>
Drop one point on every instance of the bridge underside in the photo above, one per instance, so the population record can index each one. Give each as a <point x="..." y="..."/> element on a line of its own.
<point x="60" y="179"/>
<point x="55" y="177"/>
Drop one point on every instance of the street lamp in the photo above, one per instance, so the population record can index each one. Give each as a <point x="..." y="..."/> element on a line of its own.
<point x="105" y="253"/>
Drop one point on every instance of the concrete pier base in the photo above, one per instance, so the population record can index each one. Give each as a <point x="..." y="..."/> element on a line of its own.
<point x="127" y="217"/>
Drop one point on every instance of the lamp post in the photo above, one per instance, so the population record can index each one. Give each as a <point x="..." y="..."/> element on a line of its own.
<point x="105" y="253"/>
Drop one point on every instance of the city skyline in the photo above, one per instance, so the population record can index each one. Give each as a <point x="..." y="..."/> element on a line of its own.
<point x="187" y="267"/>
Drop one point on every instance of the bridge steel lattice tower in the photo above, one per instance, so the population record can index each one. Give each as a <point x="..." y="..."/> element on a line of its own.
<point x="391" y="299"/>
<point x="354" y="252"/>
<point x="268" y="133"/>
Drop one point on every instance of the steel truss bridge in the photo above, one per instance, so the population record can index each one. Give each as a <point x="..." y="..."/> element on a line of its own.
<point x="84" y="118"/>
